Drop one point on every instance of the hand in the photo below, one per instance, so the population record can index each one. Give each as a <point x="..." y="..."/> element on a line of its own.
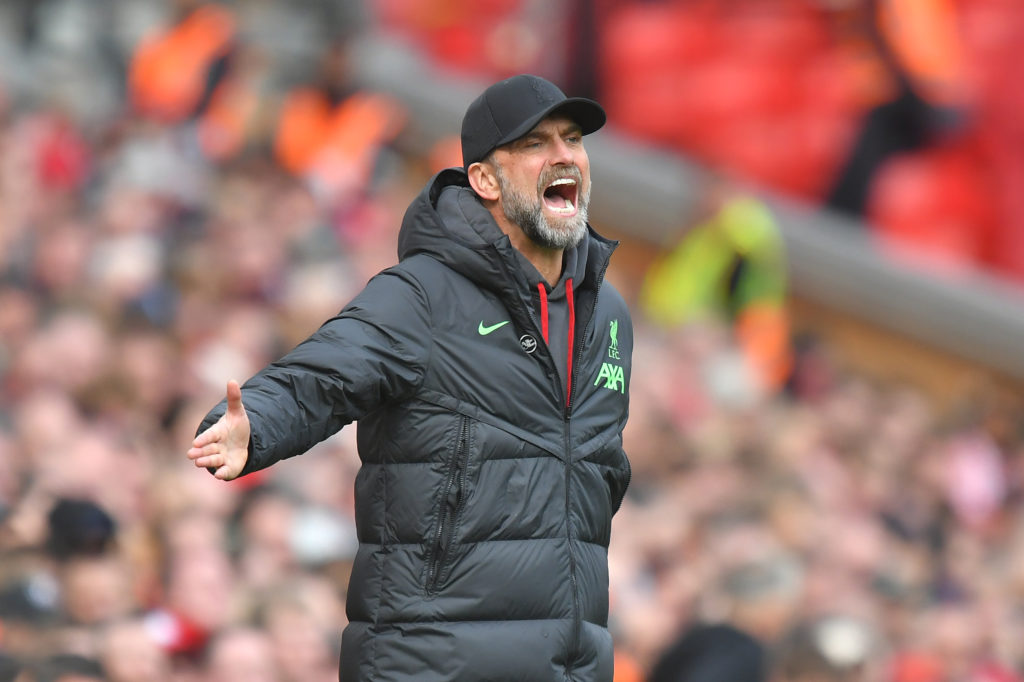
<point x="224" y="447"/>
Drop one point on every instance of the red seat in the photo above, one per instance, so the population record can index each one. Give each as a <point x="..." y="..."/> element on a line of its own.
<point x="776" y="31"/>
<point x="932" y="208"/>
<point x="648" y="53"/>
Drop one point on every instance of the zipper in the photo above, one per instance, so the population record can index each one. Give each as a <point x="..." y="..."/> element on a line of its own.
<point x="579" y="353"/>
<point x="452" y="501"/>
<point x="573" y="580"/>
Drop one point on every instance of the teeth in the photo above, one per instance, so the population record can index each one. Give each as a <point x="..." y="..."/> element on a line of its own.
<point x="569" y="208"/>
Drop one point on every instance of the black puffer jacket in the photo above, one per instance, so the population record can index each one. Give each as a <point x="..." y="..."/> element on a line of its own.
<point x="485" y="497"/>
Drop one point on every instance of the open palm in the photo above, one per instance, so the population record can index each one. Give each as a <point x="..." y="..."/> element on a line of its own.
<point x="224" y="447"/>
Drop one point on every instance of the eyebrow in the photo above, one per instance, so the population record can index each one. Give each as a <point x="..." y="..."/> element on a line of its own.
<point x="569" y="129"/>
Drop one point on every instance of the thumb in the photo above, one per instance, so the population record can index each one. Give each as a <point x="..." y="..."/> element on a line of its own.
<point x="234" y="393"/>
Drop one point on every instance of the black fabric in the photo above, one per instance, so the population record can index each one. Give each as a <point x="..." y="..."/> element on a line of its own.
<point x="509" y="109"/>
<point x="712" y="653"/>
<point x="902" y="125"/>
<point x="484" y="502"/>
<point x="9" y="668"/>
<point x="78" y="528"/>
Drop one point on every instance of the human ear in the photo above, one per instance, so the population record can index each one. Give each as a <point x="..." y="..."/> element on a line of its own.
<point x="484" y="181"/>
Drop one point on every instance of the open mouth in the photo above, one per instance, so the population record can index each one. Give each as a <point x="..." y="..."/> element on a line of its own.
<point x="560" y="197"/>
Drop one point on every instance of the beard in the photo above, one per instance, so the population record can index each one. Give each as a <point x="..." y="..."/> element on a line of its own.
<point x="528" y="213"/>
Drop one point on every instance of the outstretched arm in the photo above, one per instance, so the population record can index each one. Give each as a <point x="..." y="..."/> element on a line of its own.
<point x="224" y="447"/>
<point x="373" y="351"/>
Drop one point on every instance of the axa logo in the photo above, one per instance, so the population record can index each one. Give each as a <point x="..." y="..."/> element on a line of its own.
<point x="613" y="377"/>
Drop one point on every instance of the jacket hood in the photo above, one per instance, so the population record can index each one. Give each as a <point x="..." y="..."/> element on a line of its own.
<point x="448" y="223"/>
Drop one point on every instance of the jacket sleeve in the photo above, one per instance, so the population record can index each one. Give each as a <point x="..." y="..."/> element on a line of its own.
<point x="373" y="352"/>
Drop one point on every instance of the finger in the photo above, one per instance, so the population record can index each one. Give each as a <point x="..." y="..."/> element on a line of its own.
<point x="223" y="473"/>
<point x="205" y="451"/>
<point x="214" y="434"/>
<point x="234" y="393"/>
<point x="210" y="461"/>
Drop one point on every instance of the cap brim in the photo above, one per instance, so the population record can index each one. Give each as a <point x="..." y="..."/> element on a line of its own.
<point x="587" y="113"/>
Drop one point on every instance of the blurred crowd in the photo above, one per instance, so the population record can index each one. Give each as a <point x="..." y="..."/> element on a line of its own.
<point x="163" y="230"/>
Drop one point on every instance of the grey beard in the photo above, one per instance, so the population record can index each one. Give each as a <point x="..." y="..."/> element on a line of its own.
<point x="527" y="212"/>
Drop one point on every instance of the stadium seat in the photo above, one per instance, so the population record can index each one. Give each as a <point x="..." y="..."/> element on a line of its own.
<point x="648" y="55"/>
<point x="931" y="208"/>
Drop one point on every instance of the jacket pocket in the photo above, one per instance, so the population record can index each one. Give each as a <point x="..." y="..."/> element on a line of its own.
<point x="450" y="505"/>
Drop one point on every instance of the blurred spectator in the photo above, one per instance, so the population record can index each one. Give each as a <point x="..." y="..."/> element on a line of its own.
<point x="331" y="133"/>
<point x="730" y="266"/>
<point x="175" y="73"/>
<point x="760" y="596"/>
<point x="79" y="528"/>
<point x="304" y="645"/>
<point x="129" y="653"/>
<point x="66" y="668"/>
<point x="197" y="72"/>
<point x="95" y="590"/>
<point x="29" y="607"/>
<point x="264" y="522"/>
<point x="832" y="649"/>
<point x="914" y="80"/>
<point x="241" y="654"/>
<point x="199" y="602"/>
<point x="712" y="653"/>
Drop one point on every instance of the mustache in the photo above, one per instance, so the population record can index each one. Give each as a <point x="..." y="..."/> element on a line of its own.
<point x="569" y="172"/>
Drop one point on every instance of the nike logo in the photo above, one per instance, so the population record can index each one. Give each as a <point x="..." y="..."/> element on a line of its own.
<point x="484" y="331"/>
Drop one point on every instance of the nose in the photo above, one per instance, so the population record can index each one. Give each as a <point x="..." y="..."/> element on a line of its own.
<point x="562" y="154"/>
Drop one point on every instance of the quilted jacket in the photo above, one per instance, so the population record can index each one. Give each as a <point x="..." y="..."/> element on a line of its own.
<point x="487" y="486"/>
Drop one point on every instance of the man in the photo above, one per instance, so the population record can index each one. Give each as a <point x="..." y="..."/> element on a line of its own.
<point x="489" y="374"/>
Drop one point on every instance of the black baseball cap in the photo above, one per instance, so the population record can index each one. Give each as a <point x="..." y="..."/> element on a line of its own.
<point x="511" y="108"/>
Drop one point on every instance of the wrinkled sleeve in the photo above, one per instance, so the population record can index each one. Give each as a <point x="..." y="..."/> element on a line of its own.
<point x="373" y="352"/>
